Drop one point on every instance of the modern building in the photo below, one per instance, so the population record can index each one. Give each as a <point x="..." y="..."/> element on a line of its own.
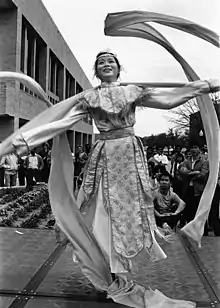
<point x="31" y="43"/>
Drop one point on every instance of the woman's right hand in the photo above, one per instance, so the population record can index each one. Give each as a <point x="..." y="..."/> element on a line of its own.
<point x="214" y="85"/>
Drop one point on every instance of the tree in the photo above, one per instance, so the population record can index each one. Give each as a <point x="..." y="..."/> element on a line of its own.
<point x="180" y="116"/>
<point x="169" y="139"/>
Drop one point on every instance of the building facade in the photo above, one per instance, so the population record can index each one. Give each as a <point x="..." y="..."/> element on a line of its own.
<point x="196" y="129"/>
<point x="31" y="43"/>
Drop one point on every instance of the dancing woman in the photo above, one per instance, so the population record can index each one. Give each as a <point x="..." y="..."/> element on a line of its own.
<point x="117" y="216"/>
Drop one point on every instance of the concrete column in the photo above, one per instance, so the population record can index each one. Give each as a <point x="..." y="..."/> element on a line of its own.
<point x="81" y="135"/>
<point x="25" y="50"/>
<point x="55" y="78"/>
<point x="18" y="68"/>
<point x="18" y="42"/>
<point x="33" y="57"/>
<point x="47" y="69"/>
<point x="16" y="123"/>
<point x="64" y="84"/>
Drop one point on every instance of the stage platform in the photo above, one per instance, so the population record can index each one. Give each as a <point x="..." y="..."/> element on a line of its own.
<point x="35" y="272"/>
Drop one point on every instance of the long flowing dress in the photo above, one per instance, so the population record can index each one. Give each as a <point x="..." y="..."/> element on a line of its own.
<point x="115" y="196"/>
<point x="117" y="217"/>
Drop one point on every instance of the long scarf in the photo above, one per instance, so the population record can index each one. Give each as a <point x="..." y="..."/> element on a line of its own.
<point x="91" y="258"/>
<point x="134" y="24"/>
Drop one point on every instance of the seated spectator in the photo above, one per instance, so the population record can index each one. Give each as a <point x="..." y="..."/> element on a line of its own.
<point x="167" y="205"/>
<point x="10" y="163"/>
<point x="33" y="164"/>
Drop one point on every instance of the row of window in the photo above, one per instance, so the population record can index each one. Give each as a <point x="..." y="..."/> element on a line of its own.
<point x="61" y="84"/>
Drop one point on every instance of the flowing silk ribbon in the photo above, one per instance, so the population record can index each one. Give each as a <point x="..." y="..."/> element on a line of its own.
<point x="91" y="258"/>
<point x="134" y="24"/>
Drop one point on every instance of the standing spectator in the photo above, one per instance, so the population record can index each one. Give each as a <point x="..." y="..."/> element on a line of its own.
<point x="177" y="151"/>
<point x="196" y="170"/>
<point x="87" y="149"/>
<point x="161" y="158"/>
<point x="79" y="162"/>
<point x="149" y="153"/>
<point x="11" y="168"/>
<point x="167" y="204"/>
<point x="33" y="164"/>
<point x="214" y="216"/>
<point x="183" y="171"/>
<point x="21" y="170"/>
<point x="2" y="172"/>
<point x="46" y="156"/>
<point x="175" y="173"/>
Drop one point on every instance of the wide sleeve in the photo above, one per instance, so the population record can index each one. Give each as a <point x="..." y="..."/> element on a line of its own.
<point x="52" y="122"/>
<point x="170" y="98"/>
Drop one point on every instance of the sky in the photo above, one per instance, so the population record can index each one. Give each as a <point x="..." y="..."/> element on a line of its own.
<point x="81" y="22"/>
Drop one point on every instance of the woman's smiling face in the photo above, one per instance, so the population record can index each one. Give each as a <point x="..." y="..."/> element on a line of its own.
<point x="107" y="69"/>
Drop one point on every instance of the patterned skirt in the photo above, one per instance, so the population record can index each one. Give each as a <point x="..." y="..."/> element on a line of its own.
<point x="116" y="202"/>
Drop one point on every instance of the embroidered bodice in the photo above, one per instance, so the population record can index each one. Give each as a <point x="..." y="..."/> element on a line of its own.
<point x="112" y="106"/>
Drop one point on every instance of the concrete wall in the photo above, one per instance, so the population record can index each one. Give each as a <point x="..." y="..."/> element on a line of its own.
<point x="2" y="97"/>
<point x="6" y="127"/>
<point x="8" y="37"/>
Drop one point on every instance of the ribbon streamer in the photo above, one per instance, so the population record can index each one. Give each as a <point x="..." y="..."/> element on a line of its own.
<point x="134" y="24"/>
<point x="91" y="259"/>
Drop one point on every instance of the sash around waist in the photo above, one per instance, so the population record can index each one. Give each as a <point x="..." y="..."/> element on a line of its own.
<point x="117" y="133"/>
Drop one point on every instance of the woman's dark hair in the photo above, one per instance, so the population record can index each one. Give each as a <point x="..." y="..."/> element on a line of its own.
<point x="110" y="54"/>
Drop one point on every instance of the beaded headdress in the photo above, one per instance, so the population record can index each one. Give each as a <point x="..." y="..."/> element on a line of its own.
<point x="106" y="53"/>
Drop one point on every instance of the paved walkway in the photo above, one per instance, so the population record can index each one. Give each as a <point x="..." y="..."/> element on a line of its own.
<point x="36" y="272"/>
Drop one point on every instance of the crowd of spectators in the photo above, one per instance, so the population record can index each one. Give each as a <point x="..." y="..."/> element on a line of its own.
<point x="26" y="170"/>
<point x="177" y="181"/>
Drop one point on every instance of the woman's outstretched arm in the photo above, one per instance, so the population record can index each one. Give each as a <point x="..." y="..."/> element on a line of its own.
<point x="171" y="98"/>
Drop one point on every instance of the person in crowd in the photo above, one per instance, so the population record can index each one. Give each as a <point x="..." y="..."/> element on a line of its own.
<point x="177" y="151"/>
<point x="167" y="204"/>
<point x="149" y="153"/>
<point x="10" y="163"/>
<point x="21" y="171"/>
<point x="204" y="151"/>
<point x="2" y="172"/>
<point x="175" y="173"/>
<point x="87" y="149"/>
<point x="160" y="157"/>
<point x="80" y="160"/>
<point x="33" y="164"/>
<point x="152" y="178"/>
<point x="196" y="170"/>
<point x="214" y="216"/>
<point x="46" y="156"/>
<point x="157" y="170"/>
